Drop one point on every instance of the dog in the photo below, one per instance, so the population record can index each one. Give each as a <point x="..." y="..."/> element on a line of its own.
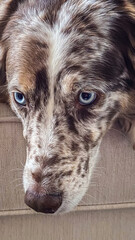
<point x="67" y="69"/>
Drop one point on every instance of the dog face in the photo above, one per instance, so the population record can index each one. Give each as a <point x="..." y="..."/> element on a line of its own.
<point x="68" y="79"/>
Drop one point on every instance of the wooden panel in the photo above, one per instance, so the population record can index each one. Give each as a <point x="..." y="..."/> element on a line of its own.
<point x="12" y="157"/>
<point x="93" y="225"/>
<point x="114" y="176"/>
<point x="5" y="111"/>
<point x="112" y="182"/>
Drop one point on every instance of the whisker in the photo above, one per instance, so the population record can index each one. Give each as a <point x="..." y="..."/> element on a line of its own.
<point x="15" y="170"/>
<point x="23" y="165"/>
<point x="100" y="168"/>
<point x="18" y="185"/>
<point x="91" y="196"/>
<point x="122" y="134"/>
<point x="18" y="179"/>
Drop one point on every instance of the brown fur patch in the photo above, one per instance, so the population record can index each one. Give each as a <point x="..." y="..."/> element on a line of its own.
<point x="130" y="8"/>
<point x="37" y="176"/>
<point x="26" y="82"/>
<point x="124" y="102"/>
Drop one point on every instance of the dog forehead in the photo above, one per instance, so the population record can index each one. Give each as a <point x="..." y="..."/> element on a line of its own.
<point x="37" y="50"/>
<point x="40" y="55"/>
<point x="22" y="73"/>
<point x="31" y="59"/>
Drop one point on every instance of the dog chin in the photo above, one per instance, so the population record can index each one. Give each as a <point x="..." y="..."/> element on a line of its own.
<point x="66" y="208"/>
<point x="70" y="204"/>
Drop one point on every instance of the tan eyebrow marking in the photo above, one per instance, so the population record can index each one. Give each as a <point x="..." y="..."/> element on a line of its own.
<point x="67" y="83"/>
<point x="26" y="81"/>
<point x="130" y="8"/>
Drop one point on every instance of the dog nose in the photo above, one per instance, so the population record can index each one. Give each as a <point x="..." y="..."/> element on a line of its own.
<point x="41" y="202"/>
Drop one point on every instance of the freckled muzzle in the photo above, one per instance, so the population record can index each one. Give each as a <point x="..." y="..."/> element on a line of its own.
<point x="41" y="202"/>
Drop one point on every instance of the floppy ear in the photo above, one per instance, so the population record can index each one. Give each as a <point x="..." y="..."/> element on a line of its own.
<point x="3" y="85"/>
<point x="123" y="36"/>
<point x="7" y="9"/>
<point x="130" y="58"/>
<point x="128" y="21"/>
<point x="131" y="51"/>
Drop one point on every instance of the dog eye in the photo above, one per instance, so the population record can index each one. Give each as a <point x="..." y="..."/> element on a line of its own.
<point x="86" y="98"/>
<point x="19" y="98"/>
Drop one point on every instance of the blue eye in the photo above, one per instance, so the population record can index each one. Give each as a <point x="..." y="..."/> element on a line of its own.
<point x="86" y="98"/>
<point x="19" y="98"/>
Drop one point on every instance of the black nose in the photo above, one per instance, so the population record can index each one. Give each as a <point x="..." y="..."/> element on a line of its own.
<point x="41" y="202"/>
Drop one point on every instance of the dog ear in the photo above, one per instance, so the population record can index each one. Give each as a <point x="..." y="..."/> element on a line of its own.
<point x="130" y="7"/>
<point x="3" y="85"/>
<point x="130" y="51"/>
<point x="128" y="20"/>
<point x="128" y="25"/>
<point x="123" y="36"/>
<point x="7" y="9"/>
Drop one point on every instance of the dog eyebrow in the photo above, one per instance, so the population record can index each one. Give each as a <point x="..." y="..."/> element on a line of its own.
<point x="41" y="84"/>
<point x="39" y="44"/>
<point x="42" y="81"/>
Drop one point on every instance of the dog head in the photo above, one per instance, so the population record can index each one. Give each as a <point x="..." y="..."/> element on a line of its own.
<point x="69" y="70"/>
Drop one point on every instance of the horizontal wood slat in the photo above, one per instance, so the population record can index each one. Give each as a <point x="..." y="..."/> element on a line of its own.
<point x="21" y="212"/>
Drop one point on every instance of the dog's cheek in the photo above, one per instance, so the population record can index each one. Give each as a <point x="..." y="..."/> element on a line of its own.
<point x="77" y="184"/>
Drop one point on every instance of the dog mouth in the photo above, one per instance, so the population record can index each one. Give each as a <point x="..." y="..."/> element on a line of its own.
<point x="51" y="199"/>
<point x="51" y="203"/>
<point x="57" y="189"/>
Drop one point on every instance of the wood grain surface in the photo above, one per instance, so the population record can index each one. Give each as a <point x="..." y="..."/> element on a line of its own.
<point x="85" y="225"/>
